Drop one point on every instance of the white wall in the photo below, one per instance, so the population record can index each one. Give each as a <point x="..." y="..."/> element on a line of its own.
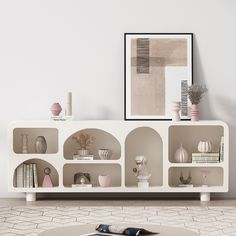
<point x="48" y="47"/>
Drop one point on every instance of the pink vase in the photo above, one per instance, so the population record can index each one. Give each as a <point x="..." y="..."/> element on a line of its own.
<point x="195" y="113"/>
<point x="56" y="109"/>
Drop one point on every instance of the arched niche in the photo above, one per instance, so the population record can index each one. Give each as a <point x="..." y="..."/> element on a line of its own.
<point x="147" y="142"/>
<point x="102" y="140"/>
<point x="40" y="165"/>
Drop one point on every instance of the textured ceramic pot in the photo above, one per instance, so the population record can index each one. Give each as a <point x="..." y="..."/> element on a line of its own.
<point x="83" y="152"/>
<point x="204" y="146"/>
<point x="181" y="155"/>
<point x="40" y="144"/>
<point x="104" y="154"/>
<point x="195" y="113"/>
<point x="104" y="180"/>
<point x="56" y="109"/>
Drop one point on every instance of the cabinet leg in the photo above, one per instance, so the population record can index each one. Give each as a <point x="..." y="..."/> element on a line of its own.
<point x="205" y="197"/>
<point x="30" y="197"/>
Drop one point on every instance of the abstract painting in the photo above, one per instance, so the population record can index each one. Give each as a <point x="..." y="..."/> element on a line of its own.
<point x="158" y="71"/>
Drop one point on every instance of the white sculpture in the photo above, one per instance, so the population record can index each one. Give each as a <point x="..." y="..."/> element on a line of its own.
<point x="141" y="171"/>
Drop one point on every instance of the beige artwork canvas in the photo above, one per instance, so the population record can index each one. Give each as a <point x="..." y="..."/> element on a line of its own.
<point x="153" y="62"/>
<point x="149" y="57"/>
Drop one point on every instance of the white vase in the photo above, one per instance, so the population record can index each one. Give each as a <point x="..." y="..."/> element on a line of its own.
<point x="181" y="155"/>
<point x="176" y="107"/>
<point x="204" y="146"/>
<point x="104" y="180"/>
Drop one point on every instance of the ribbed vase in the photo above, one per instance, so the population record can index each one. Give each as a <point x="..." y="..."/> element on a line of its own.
<point x="195" y="113"/>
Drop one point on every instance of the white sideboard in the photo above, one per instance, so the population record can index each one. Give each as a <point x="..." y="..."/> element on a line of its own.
<point x="157" y="140"/>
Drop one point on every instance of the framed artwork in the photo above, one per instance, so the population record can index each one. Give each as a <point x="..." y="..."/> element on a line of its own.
<point x="158" y="71"/>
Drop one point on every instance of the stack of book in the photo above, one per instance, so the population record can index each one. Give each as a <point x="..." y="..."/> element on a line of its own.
<point x="83" y="157"/>
<point x="205" y="157"/>
<point x="26" y="176"/>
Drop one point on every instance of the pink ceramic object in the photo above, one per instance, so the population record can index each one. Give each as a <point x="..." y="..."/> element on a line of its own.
<point x="47" y="182"/>
<point x="195" y="114"/>
<point x="104" y="180"/>
<point x="56" y="109"/>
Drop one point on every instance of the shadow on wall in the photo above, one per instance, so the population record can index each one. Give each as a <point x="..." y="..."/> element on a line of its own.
<point x="199" y="78"/>
<point x="225" y="111"/>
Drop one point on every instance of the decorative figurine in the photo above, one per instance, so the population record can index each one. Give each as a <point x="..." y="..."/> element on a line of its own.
<point x="40" y="144"/>
<point x="68" y="111"/>
<point x="82" y="180"/>
<point x="205" y="174"/>
<point x="24" y="138"/>
<point x="176" y="107"/>
<point x="141" y="171"/>
<point x="47" y="181"/>
<point x="187" y="181"/>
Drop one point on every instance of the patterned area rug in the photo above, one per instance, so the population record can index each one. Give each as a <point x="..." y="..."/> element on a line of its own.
<point x="30" y="221"/>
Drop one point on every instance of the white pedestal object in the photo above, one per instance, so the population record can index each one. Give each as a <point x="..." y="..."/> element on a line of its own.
<point x="30" y="197"/>
<point x="143" y="184"/>
<point x="205" y="197"/>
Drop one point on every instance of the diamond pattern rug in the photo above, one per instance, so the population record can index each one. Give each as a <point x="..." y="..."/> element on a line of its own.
<point x="30" y="221"/>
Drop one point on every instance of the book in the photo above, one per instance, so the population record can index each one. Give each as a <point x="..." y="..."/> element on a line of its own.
<point x="20" y="176"/>
<point x="206" y="161"/>
<point x="222" y="148"/>
<point x="81" y="186"/>
<point x="27" y="176"/>
<point x="62" y="118"/>
<point x="31" y="184"/>
<point x="83" y="157"/>
<point x="210" y="154"/>
<point x="205" y="158"/>
<point x="35" y="175"/>
<point x="24" y="177"/>
<point x="185" y="185"/>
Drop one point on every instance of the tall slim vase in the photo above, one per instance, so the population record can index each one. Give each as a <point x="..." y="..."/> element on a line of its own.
<point x="195" y="113"/>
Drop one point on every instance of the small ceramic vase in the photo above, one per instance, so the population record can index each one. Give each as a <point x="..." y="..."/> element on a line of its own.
<point x="56" y="109"/>
<point x="104" y="180"/>
<point x="204" y="146"/>
<point x="104" y="154"/>
<point x="175" y="111"/>
<point x="40" y="144"/>
<point x="181" y="155"/>
<point x="47" y="181"/>
<point x="195" y="113"/>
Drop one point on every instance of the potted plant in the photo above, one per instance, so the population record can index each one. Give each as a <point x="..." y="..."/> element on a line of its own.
<point x="195" y="93"/>
<point x="84" y="142"/>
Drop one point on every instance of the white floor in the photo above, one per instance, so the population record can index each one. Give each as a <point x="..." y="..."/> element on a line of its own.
<point x="30" y="220"/>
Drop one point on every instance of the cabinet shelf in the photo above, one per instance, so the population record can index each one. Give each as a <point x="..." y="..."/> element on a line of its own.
<point x="157" y="141"/>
